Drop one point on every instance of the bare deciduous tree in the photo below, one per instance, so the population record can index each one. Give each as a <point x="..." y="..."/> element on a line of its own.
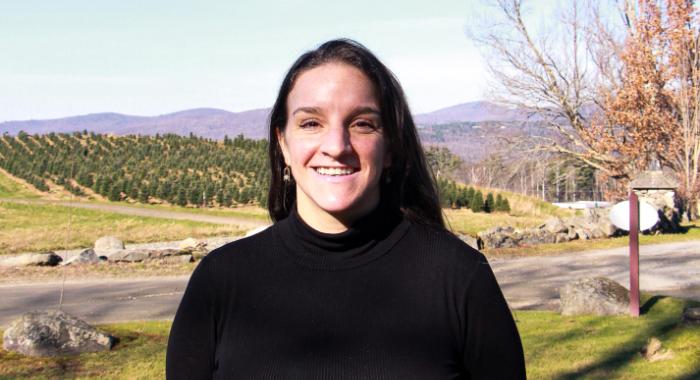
<point x="620" y="96"/>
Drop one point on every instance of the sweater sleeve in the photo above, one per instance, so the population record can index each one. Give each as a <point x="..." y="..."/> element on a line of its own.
<point x="192" y="342"/>
<point x="492" y="344"/>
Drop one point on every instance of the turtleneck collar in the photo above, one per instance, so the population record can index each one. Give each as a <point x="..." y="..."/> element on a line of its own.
<point x="367" y="239"/>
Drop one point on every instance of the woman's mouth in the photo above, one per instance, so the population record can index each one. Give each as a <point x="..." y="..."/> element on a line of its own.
<point x="335" y="171"/>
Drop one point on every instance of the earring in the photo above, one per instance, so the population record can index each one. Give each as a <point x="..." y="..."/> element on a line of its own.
<point x="287" y="174"/>
<point x="387" y="177"/>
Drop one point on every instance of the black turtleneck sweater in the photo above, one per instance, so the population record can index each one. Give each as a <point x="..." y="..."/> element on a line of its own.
<point x="387" y="299"/>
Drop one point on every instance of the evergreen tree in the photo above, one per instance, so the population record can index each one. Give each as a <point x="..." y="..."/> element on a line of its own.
<point x="220" y="197"/>
<point x="143" y="195"/>
<point x="499" y="203"/>
<point x="477" y="202"/>
<point x="194" y="196"/>
<point x="505" y="205"/>
<point x="134" y="192"/>
<point x="489" y="204"/>
<point x="469" y="196"/>
<point x="115" y="192"/>
<point x="181" y="197"/>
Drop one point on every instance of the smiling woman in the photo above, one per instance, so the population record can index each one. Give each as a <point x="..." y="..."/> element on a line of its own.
<point x="358" y="277"/>
<point x="334" y="145"/>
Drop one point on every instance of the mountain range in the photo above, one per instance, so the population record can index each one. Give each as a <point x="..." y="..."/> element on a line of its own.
<point x="471" y="130"/>
<point x="216" y="123"/>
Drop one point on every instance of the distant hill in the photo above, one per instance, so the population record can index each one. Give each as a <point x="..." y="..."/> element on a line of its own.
<point x="204" y="122"/>
<point x="216" y="123"/>
<point x="475" y="112"/>
<point x="471" y="130"/>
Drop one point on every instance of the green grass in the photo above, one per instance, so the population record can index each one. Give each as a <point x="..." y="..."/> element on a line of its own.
<point x="44" y="227"/>
<point x="556" y="347"/>
<point x="589" y="347"/>
<point x="12" y="189"/>
<point x="139" y="354"/>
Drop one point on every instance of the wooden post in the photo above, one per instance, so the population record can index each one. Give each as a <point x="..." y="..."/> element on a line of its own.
<point x="634" y="254"/>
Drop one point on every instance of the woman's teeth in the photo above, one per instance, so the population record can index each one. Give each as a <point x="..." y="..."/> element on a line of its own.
<point x="335" y="171"/>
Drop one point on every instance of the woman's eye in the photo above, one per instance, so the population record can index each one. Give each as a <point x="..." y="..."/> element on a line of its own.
<point x="365" y="126"/>
<point x="309" y="124"/>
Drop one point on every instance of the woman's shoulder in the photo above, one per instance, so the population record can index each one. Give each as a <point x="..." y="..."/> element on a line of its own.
<point x="244" y="247"/>
<point x="443" y="244"/>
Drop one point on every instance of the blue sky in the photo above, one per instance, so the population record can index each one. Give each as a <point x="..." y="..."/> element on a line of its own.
<point x="70" y="57"/>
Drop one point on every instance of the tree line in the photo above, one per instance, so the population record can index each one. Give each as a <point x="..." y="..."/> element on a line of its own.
<point x="455" y="196"/>
<point x="190" y="170"/>
<point x="181" y="170"/>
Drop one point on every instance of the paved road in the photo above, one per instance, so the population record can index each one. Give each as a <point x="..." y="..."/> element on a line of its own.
<point x="97" y="301"/>
<point x="528" y="283"/>
<point x="533" y="282"/>
<point x="245" y="223"/>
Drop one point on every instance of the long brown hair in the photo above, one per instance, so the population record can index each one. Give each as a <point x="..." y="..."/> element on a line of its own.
<point x="410" y="186"/>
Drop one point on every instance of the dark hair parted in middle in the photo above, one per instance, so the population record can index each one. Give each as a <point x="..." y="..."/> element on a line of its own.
<point x="411" y="187"/>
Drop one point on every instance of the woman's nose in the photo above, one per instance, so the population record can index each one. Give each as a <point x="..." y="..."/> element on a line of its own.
<point x="336" y="141"/>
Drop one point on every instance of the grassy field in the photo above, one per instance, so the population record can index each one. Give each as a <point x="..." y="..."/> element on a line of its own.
<point x="556" y="347"/>
<point x="590" y="347"/>
<point x="45" y="227"/>
<point x="38" y="227"/>
<point x="12" y="189"/>
<point x="467" y="222"/>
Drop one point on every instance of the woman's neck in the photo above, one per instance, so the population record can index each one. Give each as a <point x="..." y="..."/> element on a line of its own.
<point x="330" y="223"/>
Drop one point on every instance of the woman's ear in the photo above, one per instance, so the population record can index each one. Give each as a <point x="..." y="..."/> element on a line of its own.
<point x="283" y="146"/>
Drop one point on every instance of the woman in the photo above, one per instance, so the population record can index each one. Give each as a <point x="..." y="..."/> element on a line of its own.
<point x="358" y="277"/>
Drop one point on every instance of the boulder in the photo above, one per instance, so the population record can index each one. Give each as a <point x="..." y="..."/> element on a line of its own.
<point x="691" y="315"/>
<point x="598" y="296"/>
<point x="190" y="243"/>
<point x="194" y="247"/>
<point x="108" y="244"/>
<point x="555" y="226"/>
<point x="130" y="256"/>
<point x="156" y="254"/>
<point x="87" y="256"/>
<point x="594" y="224"/>
<point x="180" y="259"/>
<point x="52" y="333"/>
<point x="31" y="259"/>
<point x="500" y="237"/>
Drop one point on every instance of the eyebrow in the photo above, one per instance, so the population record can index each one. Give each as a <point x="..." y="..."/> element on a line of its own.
<point x="357" y="111"/>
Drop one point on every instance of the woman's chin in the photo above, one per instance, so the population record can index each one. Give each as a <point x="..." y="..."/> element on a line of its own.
<point x="346" y="208"/>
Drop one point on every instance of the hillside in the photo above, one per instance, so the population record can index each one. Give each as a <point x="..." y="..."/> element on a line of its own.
<point x="149" y="169"/>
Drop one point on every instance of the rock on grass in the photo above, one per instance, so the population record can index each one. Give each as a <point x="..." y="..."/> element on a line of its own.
<point x="53" y="333"/>
<point x="597" y="296"/>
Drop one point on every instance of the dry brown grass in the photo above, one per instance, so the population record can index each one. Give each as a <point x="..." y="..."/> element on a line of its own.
<point x="44" y="227"/>
<point x="466" y="221"/>
<point x="93" y="272"/>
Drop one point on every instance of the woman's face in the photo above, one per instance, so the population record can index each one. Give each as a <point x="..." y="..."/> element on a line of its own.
<point x="334" y="144"/>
